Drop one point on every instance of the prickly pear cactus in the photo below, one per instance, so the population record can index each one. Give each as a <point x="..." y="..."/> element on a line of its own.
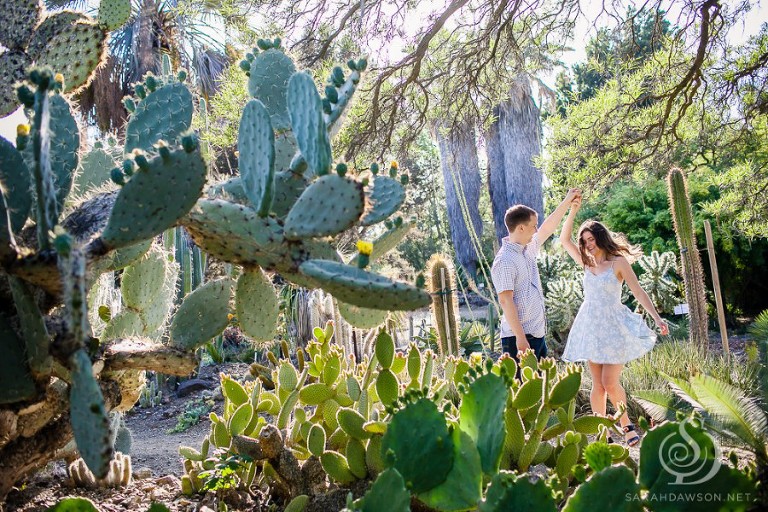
<point x="114" y="13"/>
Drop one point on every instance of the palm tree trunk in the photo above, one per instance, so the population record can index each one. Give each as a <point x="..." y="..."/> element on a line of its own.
<point x="146" y="55"/>
<point x="461" y="173"/>
<point x="512" y="142"/>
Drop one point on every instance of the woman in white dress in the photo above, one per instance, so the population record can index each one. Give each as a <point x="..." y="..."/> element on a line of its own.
<point x="605" y="332"/>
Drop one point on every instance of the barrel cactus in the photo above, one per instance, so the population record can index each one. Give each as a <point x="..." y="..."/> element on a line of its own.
<point x="445" y="303"/>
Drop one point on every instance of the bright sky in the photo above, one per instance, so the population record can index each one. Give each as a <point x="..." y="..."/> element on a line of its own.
<point x="583" y="31"/>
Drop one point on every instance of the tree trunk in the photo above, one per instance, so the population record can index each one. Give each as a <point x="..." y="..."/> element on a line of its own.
<point x="146" y="41"/>
<point x="461" y="173"/>
<point x="512" y="142"/>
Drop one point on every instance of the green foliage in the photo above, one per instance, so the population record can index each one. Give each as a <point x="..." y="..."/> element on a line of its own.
<point x="224" y="474"/>
<point x="194" y="411"/>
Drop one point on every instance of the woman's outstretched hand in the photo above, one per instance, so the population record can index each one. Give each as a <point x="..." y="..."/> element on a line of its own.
<point x="663" y="327"/>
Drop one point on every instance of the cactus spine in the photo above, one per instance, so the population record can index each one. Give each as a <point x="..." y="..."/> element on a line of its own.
<point x="690" y="261"/>
<point x="445" y="305"/>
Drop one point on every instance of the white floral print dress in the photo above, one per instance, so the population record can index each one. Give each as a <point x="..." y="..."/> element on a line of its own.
<point x="605" y="331"/>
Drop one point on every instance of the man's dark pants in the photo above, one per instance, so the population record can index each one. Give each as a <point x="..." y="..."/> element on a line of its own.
<point x="509" y="345"/>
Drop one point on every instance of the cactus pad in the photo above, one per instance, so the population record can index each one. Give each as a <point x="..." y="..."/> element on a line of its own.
<point x="15" y="183"/>
<point x="269" y="75"/>
<point x="142" y="209"/>
<point x="508" y="491"/>
<point x="94" y="168"/>
<point x="406" y="449"/>
<point x="139" y="284"/>
<point x="235" y="233"/>
<point x="89" y="417"/>
<point x="285" y="150"/>
<point x="335" y="464"/>
<point x="387" y="241"/>
<point x="64" y="146"/>
<point x="256" y="305"/>
<point x="387" y="494"/>
<point x="75" y="51"/>
<point x="51" y="25"/>
<point x="362" y="288"/>
<point x="164" y="114"/>
<point x="16" y="383"/>
<point x="566" y="388"/>
<point x="256" y="143"/>
<point x="481" y="412"/>
<point x="462" y="488"/>
<point x="608" y="490"/>
<point x="13" y="64"/>
<point x="288" y="188"/>
<point x="114" y="13"/>
<point x="362" y="318"/>
<point x="202" y="315"/>
<point x="328" y="206"/>
<point x="305" y="110"/>
<point x="385" y="196"/>
<point x="18" y="19"/>
<point x="598" y="456"/>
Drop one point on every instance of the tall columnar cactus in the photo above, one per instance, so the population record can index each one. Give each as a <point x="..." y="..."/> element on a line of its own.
<point x="690" y="261"/>
<point x="445" y="304"/>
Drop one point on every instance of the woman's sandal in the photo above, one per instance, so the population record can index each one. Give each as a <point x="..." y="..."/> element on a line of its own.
<point x="632" y="441"/>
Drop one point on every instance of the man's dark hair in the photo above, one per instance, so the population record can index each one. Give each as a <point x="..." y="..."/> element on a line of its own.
<point x="516" y="215"/>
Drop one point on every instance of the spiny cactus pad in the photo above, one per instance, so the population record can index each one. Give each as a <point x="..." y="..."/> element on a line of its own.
<point x="202" y="315"/>
<point x="385" y="196"/>
<point x="306" y="114"/>
<point x="64" y="135"/>
<point x="235" y="233"/>
<point x="89" y="417"/>
<point x="76" y="51"/>
<point x="268" y="83"/>
<point x="285" y="150"/>
<point x="328" y="206"/>
<point x="365" y="289"/>
<point x="406" y="449"/>
<point x="51" y="25"/>
<point x="94" y="169"/>
<point x="387" y="241"/>
<point x="256" y="144"/>
<point x="142" y="209"/>
<point x="164" y="114"/>
<point x="18" y="19"/>
<point x="15" y="183"/>
<point x="114" y="13"/>
<point x="256" y="305"/>
<point x="362" y="318"/>
<point x="288" y="188"/>
<point x="139" y="284"/>
<point x="12" y="66"/>
<point x="509" y="491"/>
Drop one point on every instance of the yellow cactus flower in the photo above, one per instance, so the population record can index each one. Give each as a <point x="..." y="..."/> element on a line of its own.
<point x="475" y="358"/>
<point x="230" y="316"/>
<point x="364" y="247"/>
<point x="22" y="130"/>
<point x="59" y="78"/>
<point x="394" y="164"/>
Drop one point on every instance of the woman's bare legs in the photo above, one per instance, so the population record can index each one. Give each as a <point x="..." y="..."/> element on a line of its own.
<point x="610" y="378"/>
<point x="597" y="397"/>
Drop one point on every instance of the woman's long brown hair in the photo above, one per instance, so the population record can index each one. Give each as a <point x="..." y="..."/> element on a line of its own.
<point x="614" y="244"/>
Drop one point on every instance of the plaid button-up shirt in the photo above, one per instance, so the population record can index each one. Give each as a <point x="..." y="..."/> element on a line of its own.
<point x="514" y="268"/>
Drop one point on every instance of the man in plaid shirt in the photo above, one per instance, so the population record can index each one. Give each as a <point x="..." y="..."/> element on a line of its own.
<point x="516" y="277"/>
